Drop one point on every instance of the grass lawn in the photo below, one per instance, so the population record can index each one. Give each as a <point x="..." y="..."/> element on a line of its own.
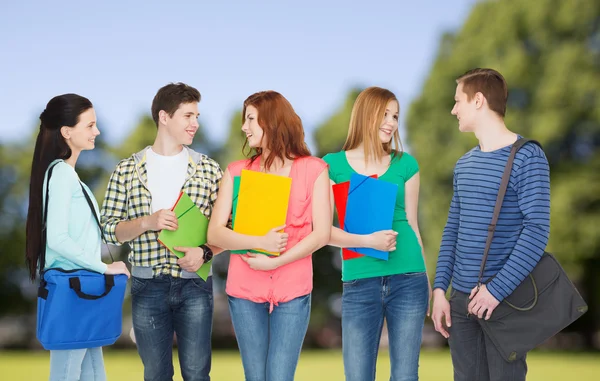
<point x="313" y="366"/>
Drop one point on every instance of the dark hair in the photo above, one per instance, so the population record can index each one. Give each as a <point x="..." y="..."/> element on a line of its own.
<point x="62" y="110"/>
<point x="283" y="129"/>
<point x="488" y="82"/>
<point x="169" y="97"/>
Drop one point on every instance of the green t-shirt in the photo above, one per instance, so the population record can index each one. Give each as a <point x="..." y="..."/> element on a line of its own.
<point x="407" y="257"/>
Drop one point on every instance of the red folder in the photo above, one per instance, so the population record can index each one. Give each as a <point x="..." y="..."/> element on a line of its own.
<point x="340" y="196"/>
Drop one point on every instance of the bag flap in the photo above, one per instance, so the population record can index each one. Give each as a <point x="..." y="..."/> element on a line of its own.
<point x="543" y="275"/>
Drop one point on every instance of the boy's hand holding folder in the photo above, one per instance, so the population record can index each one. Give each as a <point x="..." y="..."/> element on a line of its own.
<point x="192" y="226"/>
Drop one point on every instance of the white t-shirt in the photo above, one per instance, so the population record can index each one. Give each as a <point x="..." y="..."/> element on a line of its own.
<point x="166" y="175"/>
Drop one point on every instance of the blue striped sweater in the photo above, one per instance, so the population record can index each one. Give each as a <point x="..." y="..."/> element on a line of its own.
<point x="523" y="225"/>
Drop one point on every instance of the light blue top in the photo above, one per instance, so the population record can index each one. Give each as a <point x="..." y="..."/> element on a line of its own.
<point x="73" y="237"/>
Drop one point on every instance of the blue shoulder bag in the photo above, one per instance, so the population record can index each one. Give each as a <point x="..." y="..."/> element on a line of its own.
<point x="77" y="308"/>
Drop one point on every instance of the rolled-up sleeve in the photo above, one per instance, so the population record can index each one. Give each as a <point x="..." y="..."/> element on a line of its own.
<point x="114" y="207"/>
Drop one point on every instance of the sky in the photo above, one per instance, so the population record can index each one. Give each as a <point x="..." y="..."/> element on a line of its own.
<point x="119" y="53"/>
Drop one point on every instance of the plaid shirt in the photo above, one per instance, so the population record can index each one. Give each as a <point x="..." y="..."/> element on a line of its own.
<point x="127" y="198"/>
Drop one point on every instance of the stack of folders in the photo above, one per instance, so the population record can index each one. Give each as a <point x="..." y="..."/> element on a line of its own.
<point x="191" y="230"/>
<point x="365" y="205"/>
<point x="260" y="203"/>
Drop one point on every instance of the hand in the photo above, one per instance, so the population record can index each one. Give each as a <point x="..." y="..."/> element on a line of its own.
<point x="162" y="219"/>
<point x="482" y="301"/>
<point x="441" y="310"/>
<point x="260" y="262"/>
<point x="192" y="259"/>
<point x="274" y="241"/>
<point x="117" y="268"/>
<point x="384" y="240"/>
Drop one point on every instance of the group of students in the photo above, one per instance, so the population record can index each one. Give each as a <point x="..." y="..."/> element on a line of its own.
<point x="270" y="297"/>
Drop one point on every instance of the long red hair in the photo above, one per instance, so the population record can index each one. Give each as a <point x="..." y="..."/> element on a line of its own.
<point x="282" y="128"/>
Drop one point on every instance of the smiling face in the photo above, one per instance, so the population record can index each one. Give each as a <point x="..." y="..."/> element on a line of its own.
<point x="389" y="124"/>
<point x="82" y="136"/>
<point x="183" y="125"/>
<point x="465" y="110"/>
<point x="254" y="132"/>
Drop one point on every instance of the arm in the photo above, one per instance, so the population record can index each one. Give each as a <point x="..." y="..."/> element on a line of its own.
<point x="213" y="199"/>
<point x="126" y="231"/>
<point x="440" y="313"/>
<point x="533" y="195"/>
<point x="411" y="201"/>
<point x="341" y="238"/>
<point x="445" y="263"/>
<point x="218" y="233"/>
<point x="115" y="226"/>
<point x="63" y="185"/>
<point x="384" y="240"/>
<point x="321" y="222"/>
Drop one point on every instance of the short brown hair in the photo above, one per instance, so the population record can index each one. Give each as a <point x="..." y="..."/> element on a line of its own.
<point x="282" y="127"/>
<point x="488" y="82"/>
<point x="170" y="97"/>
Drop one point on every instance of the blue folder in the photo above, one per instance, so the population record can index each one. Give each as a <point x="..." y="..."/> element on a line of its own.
<point x="370" y="208"/>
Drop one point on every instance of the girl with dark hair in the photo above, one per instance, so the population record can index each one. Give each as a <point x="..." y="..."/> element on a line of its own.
<point x="68" y="126"/>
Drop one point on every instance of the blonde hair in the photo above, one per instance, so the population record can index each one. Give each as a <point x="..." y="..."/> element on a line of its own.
<point x="367" y="113"/>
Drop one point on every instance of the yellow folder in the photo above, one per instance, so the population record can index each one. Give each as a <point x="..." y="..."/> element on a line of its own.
<point x="262" y="204"/>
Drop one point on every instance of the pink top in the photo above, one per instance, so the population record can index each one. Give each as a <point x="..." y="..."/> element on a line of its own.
<point x="294" y="279"/>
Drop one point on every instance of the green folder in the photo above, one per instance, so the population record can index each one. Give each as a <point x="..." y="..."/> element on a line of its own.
<point x="191" y="231"/>
<point x="236" y="193"/>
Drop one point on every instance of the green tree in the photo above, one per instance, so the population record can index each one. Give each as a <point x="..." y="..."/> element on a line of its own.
<point x="549" y="53"/>
<point x="232" y="148"/>
<point x="331" y="135"/>
<point x="12" y="235"/>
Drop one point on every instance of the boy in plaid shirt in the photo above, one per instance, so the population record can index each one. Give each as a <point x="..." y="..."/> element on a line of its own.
<point x="167" y="295"/>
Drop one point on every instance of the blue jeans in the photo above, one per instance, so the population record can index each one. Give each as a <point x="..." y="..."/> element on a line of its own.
<point x="400" y="299"/>
<point x="77" y="364"/>
<point x="270" y="344"/>
<point x="163" y="306"/>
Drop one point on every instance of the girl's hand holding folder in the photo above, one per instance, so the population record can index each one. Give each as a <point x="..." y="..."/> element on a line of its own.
<point x="261" y="262"/>
<point x="274" y="240"/>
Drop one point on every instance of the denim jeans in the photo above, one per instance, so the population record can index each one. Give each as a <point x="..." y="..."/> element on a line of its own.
<point x="77" y="364"/>
<point x="474" y="356"/>
<point x="270" y="344"/>
<point x="165" y="305"/>
<point x="400" y="299"/>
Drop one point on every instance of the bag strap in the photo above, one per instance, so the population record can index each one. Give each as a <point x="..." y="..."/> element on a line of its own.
<point x="91" y="205"/>
<point x="75" y="284"/>
<point x="501" y="192"/>
<point x="45" y="220"/>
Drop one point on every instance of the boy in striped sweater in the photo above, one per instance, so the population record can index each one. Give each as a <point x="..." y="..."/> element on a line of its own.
<point x="519" y="241"/>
